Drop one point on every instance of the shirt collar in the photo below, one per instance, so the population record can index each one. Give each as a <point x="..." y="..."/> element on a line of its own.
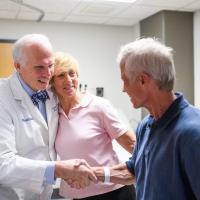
<point x="175" y="108"/>
<point x="28" y="90"/>
<point x="85" y="101"/>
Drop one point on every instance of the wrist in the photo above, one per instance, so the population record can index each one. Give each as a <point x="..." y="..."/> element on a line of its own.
<point x="57" y="173"/>
<point x="99" y="173"/>
<point x="106" y="174"/>
<point x="63" y="169"/>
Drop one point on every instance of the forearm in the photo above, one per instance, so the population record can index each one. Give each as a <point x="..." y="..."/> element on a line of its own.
<point x="127" y="141"/>
<point x="118" y="174"/>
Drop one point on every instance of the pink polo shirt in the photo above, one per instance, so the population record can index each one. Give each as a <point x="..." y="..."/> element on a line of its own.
<point x="87" y="133"/>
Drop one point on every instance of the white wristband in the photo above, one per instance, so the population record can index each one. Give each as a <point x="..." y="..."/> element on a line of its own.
<point x="106" y="174"/>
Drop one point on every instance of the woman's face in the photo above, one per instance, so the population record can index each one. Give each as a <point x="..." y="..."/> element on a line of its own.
<point x="65" y="81"/>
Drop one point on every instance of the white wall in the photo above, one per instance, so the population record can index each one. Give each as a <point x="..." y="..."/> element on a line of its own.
<point x="197" y="58"/>
<point x="94" y="46"/>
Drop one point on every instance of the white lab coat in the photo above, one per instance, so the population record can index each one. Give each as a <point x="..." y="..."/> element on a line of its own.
<point x="26" y="143"/>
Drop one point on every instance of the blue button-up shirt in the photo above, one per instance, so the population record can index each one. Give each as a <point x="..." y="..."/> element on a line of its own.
<point x="166" y="161"/>
<point x="41" y="105"/>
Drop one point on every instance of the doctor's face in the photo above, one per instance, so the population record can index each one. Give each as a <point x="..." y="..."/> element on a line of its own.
<point x="65" y="82"/>
<point x="36" y="67"/>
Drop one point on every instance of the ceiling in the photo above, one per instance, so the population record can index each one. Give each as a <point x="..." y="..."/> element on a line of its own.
<point x="105" y="12"/>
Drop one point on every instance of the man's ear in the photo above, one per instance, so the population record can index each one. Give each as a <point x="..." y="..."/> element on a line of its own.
<point x="144" y="78"/>
<point x="17" y="66"/>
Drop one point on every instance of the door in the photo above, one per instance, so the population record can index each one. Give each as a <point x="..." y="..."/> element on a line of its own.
<point x="6" y="61"/>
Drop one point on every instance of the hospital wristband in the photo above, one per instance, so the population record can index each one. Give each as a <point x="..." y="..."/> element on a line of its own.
<point x="106" y="174"/>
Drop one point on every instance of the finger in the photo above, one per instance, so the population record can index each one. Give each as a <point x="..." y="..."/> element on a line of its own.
<point x="92" y="176"/>
<point x="83" y="162"/>
<point x="77" y="185"/>
<point x="72" y="185"/>
<point x="69" y="181"/>
<point x="77" y="162"/>
<point x="85" y="182"/>
<point x="88" y="173"/>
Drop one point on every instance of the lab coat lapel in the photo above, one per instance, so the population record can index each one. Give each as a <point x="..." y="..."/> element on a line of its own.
<point x="25" y="101"/>
<point x="52" y="116"/>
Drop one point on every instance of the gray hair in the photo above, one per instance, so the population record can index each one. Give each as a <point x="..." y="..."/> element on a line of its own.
<point x="152" y="57"/>
<point x="28" y="40"/>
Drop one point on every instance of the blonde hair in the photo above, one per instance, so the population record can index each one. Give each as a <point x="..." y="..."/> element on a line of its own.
<point x="62" y="59"/>
<point x="65" y="60"/>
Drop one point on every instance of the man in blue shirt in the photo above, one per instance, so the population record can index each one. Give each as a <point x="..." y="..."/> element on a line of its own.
<point x="28" y="125"/>
<point x="166" y="159"/>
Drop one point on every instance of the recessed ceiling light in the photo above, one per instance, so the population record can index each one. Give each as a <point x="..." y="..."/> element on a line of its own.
<point x="122" y="1"/>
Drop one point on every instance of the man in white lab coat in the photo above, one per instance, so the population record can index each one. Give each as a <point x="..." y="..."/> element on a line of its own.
<point x="28" y="125"/>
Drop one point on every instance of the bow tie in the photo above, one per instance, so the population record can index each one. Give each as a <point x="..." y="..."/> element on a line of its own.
<point x="39" y="96"/>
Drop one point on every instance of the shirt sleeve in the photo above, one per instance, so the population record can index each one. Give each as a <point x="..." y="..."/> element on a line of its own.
<point x="49" y="177"/>
<point x="130" y="165"/>
<point x="112" y="121"/>
<point x="190" y="151"/>
<point x="131" y="162"/>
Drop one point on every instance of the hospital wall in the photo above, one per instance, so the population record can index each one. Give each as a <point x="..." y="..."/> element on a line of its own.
<point x="94" y="46"/>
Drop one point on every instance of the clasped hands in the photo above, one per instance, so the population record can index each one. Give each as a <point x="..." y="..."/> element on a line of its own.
<point x="76" y="172"/>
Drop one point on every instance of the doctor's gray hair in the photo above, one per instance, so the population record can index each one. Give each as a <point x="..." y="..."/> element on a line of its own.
<point x="26" y="41"/>
<point x="150" y="56"/>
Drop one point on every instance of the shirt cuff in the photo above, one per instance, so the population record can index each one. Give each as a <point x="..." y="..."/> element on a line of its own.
<point x="130" y="167"/>
<point x="49" y="177"/>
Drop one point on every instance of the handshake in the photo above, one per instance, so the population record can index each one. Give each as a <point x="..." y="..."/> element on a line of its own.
<point x="78" y="174"/>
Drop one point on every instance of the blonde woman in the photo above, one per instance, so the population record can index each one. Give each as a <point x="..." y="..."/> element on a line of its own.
<point x="87" y="126"/>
